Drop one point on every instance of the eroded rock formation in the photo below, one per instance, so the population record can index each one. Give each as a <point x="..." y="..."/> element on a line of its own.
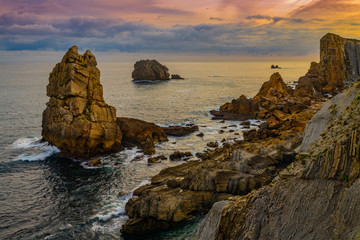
<point x="150" y="70"/>
<point x="77" y="120"/>
<point x="315" y="198"/>
<point x="339" y="66"/>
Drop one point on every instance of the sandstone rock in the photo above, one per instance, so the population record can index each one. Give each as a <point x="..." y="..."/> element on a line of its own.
<point x="76" y="119"/>
<point x="150" y="70"/>
<point x="339" y="66"/>
<point x="179" y="131"/>
<point x="140" y="133"/>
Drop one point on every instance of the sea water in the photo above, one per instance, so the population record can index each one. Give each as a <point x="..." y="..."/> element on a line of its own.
<point x="43" y="196"/>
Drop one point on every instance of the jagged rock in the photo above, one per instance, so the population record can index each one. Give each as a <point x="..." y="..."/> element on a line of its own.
<point x="180" y="131"/>
<point x="150" y="70"/>
<point x="77" y="120"/>
<point x="239" y="109"/>
<point x="176" y="76"/>
<point x="326" y="183"/>
<point x="140" y="133"/>
<point x="339" y="66"/>
<point x="267" y="90"/>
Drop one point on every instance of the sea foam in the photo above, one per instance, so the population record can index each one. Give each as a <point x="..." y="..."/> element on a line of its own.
<point x="34" y="149"/>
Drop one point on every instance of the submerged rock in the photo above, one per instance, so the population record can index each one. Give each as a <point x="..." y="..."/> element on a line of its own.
<point x="77" y="120"/>
<point x="176" y="76"/>
<point x="150" y="70"/>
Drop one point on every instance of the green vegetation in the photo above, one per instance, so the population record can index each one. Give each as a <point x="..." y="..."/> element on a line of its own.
<point x="87" y="110"/>
<point x="345" y="178"/>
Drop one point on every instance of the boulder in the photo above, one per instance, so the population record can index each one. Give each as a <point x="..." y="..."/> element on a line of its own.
<point x="179" y="131"/>
<point x="77" y="120"/>
<point x="150" y="70"/>
<point x="140" y="133"/>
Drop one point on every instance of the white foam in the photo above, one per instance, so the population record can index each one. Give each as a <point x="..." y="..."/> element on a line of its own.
<point x="24" y="143"/>
<point x="37" y="151"/>
<point x="116" y="206"/>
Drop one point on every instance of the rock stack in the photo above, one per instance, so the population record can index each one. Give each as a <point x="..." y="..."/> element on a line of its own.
<point x="150" y="70"/>
<point x="77" y="120"/>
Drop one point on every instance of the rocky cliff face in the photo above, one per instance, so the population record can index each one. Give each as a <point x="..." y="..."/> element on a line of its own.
<point x="150" y="70"/>
<point x="339" y="66"/>
<point x="77" y="120"/>
<point x="316" y="197"/>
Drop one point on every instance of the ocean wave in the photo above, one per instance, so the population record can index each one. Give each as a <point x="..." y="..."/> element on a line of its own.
<point x="35" y="150"/>
<point x="115" y="207"/>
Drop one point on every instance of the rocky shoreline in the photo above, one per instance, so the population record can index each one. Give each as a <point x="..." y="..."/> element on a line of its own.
<point x="265" y="160"/>
<point x="304" y="145"/>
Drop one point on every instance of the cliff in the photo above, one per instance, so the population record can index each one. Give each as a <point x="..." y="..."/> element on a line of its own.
<point x="268" y="191"/>
<point x="77" y="120"/>
<point x="339" y="66"/>
<point x="316" y="197"/>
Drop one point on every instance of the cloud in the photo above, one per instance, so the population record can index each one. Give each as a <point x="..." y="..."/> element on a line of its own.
<point x="274" y="19"/>
<point x="216" y="19"/>
<point x="334" y="8"/>
<point x="107" y="34"/>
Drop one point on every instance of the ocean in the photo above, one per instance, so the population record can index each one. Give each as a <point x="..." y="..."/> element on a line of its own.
<point x="44" y="196"/>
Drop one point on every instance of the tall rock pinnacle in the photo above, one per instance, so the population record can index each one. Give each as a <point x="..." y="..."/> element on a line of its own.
<point x="77" y="120"/>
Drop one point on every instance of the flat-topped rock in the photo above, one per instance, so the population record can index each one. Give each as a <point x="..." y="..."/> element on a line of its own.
<point x="77" y="120"/>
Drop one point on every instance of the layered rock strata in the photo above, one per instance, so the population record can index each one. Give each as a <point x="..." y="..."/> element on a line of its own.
<point x="150" y="70"/>
<point x="315" y="198"/>
<point x="77" y="120"/>
<point x="339" y="66"/>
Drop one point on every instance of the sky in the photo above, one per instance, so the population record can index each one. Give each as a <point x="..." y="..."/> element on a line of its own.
<point x="204" y="27"/>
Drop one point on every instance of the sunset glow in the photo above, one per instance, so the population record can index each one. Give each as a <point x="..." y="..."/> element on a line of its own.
<point x="259" y="28"/>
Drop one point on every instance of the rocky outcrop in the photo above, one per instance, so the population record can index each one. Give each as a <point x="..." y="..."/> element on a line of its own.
<point x="77" y="120"/>
<point x="319" y="197"/>
<point x="179" y="193"/>
<point x="150" y="70"/>
<point x="140" y="133"/>
<point x="239" y="109"/>
<point x="339" y="66"/>
<point x="180" y="131"/>
<point x="275" y="102"/>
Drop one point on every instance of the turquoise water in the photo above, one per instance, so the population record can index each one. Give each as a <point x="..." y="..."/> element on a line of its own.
<point x="43" y="196"/>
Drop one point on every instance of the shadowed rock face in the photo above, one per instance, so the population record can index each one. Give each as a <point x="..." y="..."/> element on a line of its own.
<point x="150" y="70"/>
<point x="77" y="120"/>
